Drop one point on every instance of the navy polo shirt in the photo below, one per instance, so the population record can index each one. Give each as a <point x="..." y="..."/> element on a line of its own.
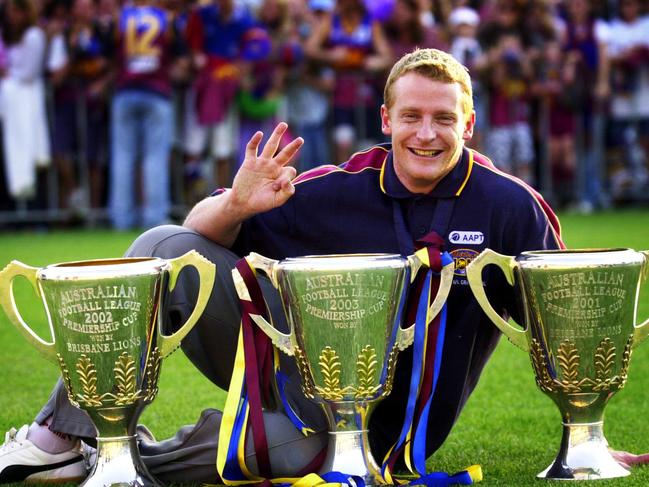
<point x="361" y="206"/>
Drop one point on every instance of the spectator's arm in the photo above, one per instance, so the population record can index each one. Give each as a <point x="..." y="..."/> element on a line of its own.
<point x="382" y="57"/>
<point x="57" y="60"/>
<point x="195" y="36"/>
<point x="315" y="44"/>
<point x="602" y="89"/>
<point x="602" y="36"/>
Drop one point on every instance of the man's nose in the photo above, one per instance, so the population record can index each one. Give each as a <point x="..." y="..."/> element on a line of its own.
<point x="427" y="130"/>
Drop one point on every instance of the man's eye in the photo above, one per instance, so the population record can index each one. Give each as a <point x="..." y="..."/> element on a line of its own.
<point x="446" y="120"/>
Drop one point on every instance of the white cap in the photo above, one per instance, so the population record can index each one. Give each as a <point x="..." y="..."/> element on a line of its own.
<point x="464" y="15"/>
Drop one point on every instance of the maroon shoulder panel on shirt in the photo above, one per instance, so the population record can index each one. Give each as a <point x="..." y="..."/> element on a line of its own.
<point x="373" y="157"/>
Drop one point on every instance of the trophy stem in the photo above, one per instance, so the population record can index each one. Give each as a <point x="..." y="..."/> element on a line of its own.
<point x="348" y="449"/>
<point x="584" y="455"/>
<point x="118" y="464"/>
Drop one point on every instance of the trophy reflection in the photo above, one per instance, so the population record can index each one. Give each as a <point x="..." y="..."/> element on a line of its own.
<point x="106" y="320"/>
<point x="344" y="314"/>
<point x="579" y="311"/>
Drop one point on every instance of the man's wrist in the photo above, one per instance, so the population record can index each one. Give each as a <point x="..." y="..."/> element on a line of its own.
<point x="235" y="208"/>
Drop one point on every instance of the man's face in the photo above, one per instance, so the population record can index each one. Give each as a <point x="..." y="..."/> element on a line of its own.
<point x="428" y="128"/>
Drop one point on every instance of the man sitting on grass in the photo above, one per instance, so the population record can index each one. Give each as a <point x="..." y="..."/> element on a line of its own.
<point x="424" y="188"/>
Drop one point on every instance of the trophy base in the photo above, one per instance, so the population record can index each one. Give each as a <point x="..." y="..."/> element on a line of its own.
<point x="119" y="464"/>
<point x="584" y="455"/>
<point x="348" y="453"/>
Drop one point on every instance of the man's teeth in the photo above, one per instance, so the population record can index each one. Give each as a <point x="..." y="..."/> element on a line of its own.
<point x="426" y="153"/>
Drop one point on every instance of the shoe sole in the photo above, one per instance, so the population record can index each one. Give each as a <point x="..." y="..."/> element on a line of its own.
<point x="55" y="481"/>
<point x="57" y="475"/>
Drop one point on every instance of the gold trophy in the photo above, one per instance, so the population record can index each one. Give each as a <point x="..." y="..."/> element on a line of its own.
<point x="106" y="320"/>
<point x="344" y="314"/>
<point x="579" y="309"/>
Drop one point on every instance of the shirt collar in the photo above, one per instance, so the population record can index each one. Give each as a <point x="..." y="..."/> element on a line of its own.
<point x="451" y="185"/>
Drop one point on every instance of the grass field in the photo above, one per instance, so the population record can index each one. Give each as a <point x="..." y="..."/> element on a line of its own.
<point x="508" y="425"/>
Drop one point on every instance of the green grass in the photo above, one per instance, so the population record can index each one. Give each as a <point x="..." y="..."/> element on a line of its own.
<point x="508" y="425"/>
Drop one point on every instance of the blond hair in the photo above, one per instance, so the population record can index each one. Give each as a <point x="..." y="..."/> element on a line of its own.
<point x="433" y="64"/>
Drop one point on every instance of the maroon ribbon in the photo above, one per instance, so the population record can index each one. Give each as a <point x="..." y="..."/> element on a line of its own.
<point x="256" y="350"/>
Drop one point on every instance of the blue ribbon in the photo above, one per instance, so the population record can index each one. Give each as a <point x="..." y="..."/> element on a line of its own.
<point x="288" y="409"/>
<point x="420" y="433"/>
<point x="441" y="479"/>
<point x="232" y="469"/>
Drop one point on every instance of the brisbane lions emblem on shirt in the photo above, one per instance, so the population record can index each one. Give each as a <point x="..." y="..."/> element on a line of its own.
<point x="462" y="258"/>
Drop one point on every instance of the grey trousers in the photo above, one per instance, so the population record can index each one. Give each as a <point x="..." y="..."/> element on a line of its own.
<point x="190" y="456"/>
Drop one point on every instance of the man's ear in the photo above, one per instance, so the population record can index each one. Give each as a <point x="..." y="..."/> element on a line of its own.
<point x="386" y="127"/>
<point x="468" y="127"/>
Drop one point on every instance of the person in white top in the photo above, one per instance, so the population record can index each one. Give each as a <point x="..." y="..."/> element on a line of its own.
<point x="22" y="99"/>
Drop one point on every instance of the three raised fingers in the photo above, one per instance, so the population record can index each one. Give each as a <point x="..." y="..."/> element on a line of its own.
<point x="273" y="141"/>
<point x="269" y="152"/>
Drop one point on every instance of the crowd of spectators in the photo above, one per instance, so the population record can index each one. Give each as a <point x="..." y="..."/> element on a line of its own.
<point x="141" y="107"/>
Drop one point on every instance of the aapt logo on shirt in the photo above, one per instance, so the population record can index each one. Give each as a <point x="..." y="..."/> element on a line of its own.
<point x="466" y="238"/>
<point x="461" y="259"/>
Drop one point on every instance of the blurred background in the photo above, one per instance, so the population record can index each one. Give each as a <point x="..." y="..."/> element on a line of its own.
<point x="123" y="115"/>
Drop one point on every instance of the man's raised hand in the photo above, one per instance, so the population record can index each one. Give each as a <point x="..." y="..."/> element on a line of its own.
<point x="263" y="181"/>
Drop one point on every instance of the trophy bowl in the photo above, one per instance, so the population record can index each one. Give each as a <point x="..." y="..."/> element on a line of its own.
<point x="106" y="321"/>
<point x="579" y="310"/>
<point x="344" y="314"/>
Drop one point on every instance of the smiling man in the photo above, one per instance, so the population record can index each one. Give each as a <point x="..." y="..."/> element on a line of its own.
<point x="428" y="132"/>
<point x="423" y="187"/>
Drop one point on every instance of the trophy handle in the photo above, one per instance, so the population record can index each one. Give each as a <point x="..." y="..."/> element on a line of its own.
<point x="641" y="331"/>
<point x="206" y="271"/>
<point x="261" y="263"/>
<point x="474" y="276"/>
<point x="406" y="336"/>
<point x="284" y="341"/>
<point x="7" y="275"/>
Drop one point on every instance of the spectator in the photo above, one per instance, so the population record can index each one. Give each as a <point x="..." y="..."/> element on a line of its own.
<point x="269" y="51"/>
<point x="463" y="25"/>
<point x="585" y="38"/>
<point x="107" y="11"/>
<point x="215" y="33"/>
<point x="354" y="44"/>
<point x="79" y="62"/>
<point x="507" y="78"/>
<point x="22" y="98"/>
<point x="628" y="47"/>
<point x="556" y="85"/>
<point x="405" y="29"/>
<point x="142" y="116"/>
<point x="309" y="88"/>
